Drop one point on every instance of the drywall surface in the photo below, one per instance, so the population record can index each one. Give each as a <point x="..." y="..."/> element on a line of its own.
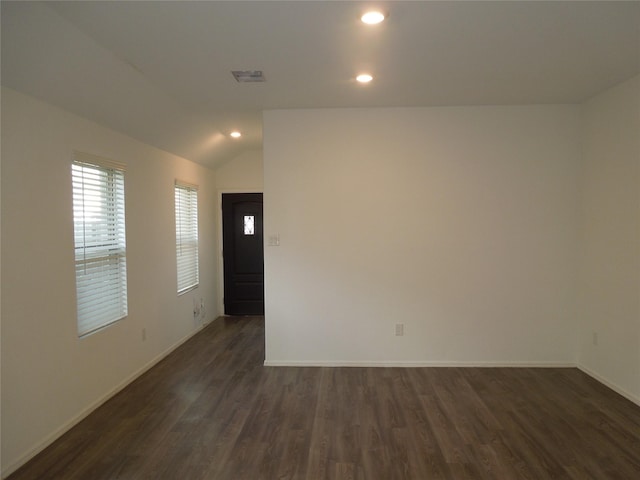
<point x="610" y="231"/>
<point x="50" y="377"/>
<point x="458" y="222"/>
<point x="242" y="173"/>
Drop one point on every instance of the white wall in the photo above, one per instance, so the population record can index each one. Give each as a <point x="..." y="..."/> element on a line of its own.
<point x="460" y="223"/>
<point x="242" y="174"/>
<point x="610" y="273"/>
<point x="50" y="377"/>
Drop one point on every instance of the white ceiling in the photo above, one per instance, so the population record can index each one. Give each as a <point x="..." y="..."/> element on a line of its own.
<point x="161" y="71"/>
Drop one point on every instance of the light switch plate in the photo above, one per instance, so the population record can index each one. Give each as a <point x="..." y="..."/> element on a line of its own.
<point x="274" y="240"/>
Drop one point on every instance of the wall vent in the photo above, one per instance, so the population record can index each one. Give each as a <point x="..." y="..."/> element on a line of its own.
<point x="248" y="76"/>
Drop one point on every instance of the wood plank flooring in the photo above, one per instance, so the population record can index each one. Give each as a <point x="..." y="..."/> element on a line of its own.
<point x="211" y="410"/>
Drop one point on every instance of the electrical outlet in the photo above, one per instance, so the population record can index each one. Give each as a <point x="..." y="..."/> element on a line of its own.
<point x="144" y="334"/>
<point x="399" y="329"/>
<point x="595" y="339"/>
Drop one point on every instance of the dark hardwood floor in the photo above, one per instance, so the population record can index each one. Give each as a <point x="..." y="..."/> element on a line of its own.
<point x="211" y="410"/>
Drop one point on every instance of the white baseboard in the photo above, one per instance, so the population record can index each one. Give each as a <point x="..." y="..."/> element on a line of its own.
<point x="616" y="388"/>
<point x="49" y="439"/>
<point x="405" y="364"/>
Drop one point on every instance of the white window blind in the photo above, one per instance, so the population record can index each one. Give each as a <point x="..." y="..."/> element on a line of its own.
<point x="100" y="245"/>
<point x="186" y="197"/>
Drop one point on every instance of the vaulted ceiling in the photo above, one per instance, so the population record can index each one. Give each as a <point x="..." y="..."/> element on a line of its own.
<point x="161" y="71"/>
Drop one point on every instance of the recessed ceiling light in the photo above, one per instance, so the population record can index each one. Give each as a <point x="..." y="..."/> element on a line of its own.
<point x="235" y="134"/>
<point x="372" y="18"/>
<point x="364" y="78"/>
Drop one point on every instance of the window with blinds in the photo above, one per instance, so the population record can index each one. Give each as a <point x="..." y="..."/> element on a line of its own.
<point x="100" y="245"/>
<point x="186" y="197"/>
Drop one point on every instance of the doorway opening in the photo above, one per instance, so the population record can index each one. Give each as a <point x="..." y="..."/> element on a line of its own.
<point x="243" y="253"/>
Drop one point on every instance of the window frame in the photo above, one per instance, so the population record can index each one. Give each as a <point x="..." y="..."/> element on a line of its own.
<point x="187" y="237"/>
<point x="98" y="191"/>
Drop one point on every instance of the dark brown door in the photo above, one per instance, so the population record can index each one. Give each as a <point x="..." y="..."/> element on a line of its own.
<point x="243" y="253"/>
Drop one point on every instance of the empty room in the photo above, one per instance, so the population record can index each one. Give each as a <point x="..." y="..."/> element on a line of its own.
<point x="320" y="240"/>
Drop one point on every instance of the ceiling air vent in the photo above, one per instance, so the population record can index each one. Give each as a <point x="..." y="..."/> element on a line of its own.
<point x="246" y="76"/>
